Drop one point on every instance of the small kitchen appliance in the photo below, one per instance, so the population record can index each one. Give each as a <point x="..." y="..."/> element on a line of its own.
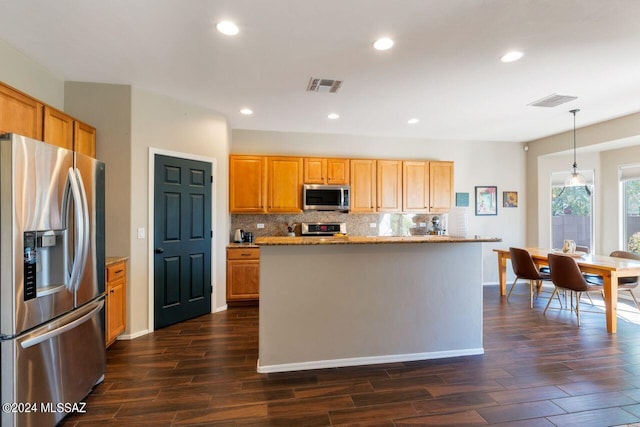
<point x="436" y="226"/>
<point x="238" y="236"/>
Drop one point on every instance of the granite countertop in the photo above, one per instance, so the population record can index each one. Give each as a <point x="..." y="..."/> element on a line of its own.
<point x="110" y="260"/>
<point x="359" y="240"/>
<point x="241" y="245"/>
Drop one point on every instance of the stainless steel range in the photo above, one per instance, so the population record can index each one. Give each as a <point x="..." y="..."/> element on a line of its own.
<point x="323" y="228"/>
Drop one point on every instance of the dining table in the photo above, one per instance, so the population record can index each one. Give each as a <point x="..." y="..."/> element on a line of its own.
<point x="610" y="268"/>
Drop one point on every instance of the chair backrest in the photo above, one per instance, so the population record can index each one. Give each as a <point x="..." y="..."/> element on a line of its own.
<point x="523" y="265"/>
<point x="565" y="273"/>
<point x="625" y="254"/>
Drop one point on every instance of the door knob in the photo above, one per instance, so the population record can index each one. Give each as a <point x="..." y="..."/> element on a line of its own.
<point x="159" y="250"/>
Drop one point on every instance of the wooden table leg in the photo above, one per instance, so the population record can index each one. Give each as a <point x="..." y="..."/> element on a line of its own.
<point x="611" y="301"/>
<point x="502" y="273"/>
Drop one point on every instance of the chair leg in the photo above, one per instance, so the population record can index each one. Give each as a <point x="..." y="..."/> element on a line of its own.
<point x="512" y="286"/>
<point x="634" y="299"/>
<point x="555" y="291"/>
<point x="590" y="300"/>
<point x="578" y="294"/>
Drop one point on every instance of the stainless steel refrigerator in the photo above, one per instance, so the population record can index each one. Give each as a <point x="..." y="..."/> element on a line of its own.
<point x="51" y="280"/>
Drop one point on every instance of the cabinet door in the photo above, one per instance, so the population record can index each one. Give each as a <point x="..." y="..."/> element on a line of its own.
<point x="19" y="113"/>
<point x="363" y="186"/>
<point x="247" y="184"/>
<point x="58" y="128"/>
<point x="389" y="186"/>
<point x="116" y="310"/>
<point x="284" y="180"/>
<point x="337" y="171"/>
<point x="440" y="186"/>
<point x="84" y="139"/>
<point x="315" y="171"/>
<point x="415" y="186"/>
<point x="243" y="279"/>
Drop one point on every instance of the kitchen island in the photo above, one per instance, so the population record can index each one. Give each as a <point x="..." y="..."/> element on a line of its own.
<point x="343" y="301"/>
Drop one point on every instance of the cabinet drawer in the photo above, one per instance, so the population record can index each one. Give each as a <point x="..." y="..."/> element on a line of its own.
<point x="248" y="253"/>
<point x="115" y="271"/>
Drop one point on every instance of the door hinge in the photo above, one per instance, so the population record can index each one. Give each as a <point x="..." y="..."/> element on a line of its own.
<point x="212" y="234"/>
<point x="211" y="178"/>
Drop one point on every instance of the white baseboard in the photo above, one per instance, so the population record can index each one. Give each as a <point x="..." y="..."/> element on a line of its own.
<point x="219" y="309"/>
<point x="134" y="335"/>
<point x="490" y="283"/>
<point x="373" y="360"/>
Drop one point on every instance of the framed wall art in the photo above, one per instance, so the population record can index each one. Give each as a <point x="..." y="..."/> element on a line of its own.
<point x="486" y="200"/>
<point x="509" y="199"/>
<point x="462" y="199"/>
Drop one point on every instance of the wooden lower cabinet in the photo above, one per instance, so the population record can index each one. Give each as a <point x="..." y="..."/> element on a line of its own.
<point x="243" y="275"/>
<point x="116" y="306"/>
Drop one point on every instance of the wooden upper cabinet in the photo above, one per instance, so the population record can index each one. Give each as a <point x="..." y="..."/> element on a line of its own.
<point x="84" y="139"/>
<point x="58" y="128"/>
<point x="284" y="181"/>
<point x="315" y="170"/>
<point x="363" y="186"/>
<point x="326" y="171"/>
<point x="389" y="185"/>
<point x="415" y="186"/>
<point x="247" y="184"/>
<point x="20" y="113"/>
<point x="440" y="186"/>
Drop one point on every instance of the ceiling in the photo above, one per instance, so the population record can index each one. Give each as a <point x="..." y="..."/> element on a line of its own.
<point x="444" y="68"/>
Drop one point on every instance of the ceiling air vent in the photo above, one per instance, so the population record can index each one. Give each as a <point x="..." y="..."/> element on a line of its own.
<point x="323" y="85"/>
<point x="553" y="100"/>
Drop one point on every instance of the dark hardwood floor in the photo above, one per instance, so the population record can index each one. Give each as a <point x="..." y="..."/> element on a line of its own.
<point x="536" y="371"/>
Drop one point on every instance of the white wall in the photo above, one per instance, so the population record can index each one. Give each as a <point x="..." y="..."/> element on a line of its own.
<point x="30" y="77"/>
<point x="476" y="163"/>
<point x="163" y="123"/>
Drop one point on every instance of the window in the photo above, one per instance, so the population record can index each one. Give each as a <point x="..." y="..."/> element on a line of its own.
<point x="571" y="211"/>
<point x="630" y="180"/>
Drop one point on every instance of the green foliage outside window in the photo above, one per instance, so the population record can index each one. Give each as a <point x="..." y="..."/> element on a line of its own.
<point x="571" y="201"/>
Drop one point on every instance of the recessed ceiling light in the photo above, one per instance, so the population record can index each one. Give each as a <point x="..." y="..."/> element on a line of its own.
<point x="246" y="111"/>
<point x="333" y="116"/>
<point x="413" y="121"/>
<point x="383" y="43"/>
<point x="512" y="56"/>
<point x="227" y="28"/>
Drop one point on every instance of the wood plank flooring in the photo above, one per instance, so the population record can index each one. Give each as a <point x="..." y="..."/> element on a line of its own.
<point x="536" y="371"/>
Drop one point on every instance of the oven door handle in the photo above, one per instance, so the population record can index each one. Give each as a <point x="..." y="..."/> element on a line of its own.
<point x="61" y="330"/>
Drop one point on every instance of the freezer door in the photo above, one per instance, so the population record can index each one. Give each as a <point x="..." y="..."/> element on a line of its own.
<point x="91" y="279"/>
<point x="59" y="362"/>
<point x="35" y="241"/>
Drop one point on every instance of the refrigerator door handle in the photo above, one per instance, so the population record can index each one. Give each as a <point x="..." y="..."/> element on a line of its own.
<point x="40" y="292"/>
<point x="79" y="250"/>
<point x="84" y="224"/>
<point x="59" y="331"/>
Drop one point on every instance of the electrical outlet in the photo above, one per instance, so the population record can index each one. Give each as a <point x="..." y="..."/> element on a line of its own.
<point x="140" y="232"/>
<point x="373" y="225"/>
<point x="260" y="226"/>
<point x="422" y="224"/>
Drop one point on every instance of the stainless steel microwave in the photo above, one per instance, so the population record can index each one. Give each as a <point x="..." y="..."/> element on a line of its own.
<point x="325" y="197"/>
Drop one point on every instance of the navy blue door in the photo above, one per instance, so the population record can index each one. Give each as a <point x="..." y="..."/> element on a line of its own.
<point x="182" y="262"/>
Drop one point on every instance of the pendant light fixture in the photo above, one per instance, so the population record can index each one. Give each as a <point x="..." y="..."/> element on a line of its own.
<point x="575" y="179"/>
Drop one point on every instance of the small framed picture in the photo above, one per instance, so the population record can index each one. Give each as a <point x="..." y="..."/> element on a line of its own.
<point x="462" y="199"/>
<point x="509" y="199"/>
<point x="486" y="200"/>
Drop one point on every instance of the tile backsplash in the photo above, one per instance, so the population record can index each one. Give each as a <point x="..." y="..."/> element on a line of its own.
<point x="387" y="224"/>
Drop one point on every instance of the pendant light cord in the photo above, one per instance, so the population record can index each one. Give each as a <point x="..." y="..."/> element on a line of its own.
<point x="575" y="164"/>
